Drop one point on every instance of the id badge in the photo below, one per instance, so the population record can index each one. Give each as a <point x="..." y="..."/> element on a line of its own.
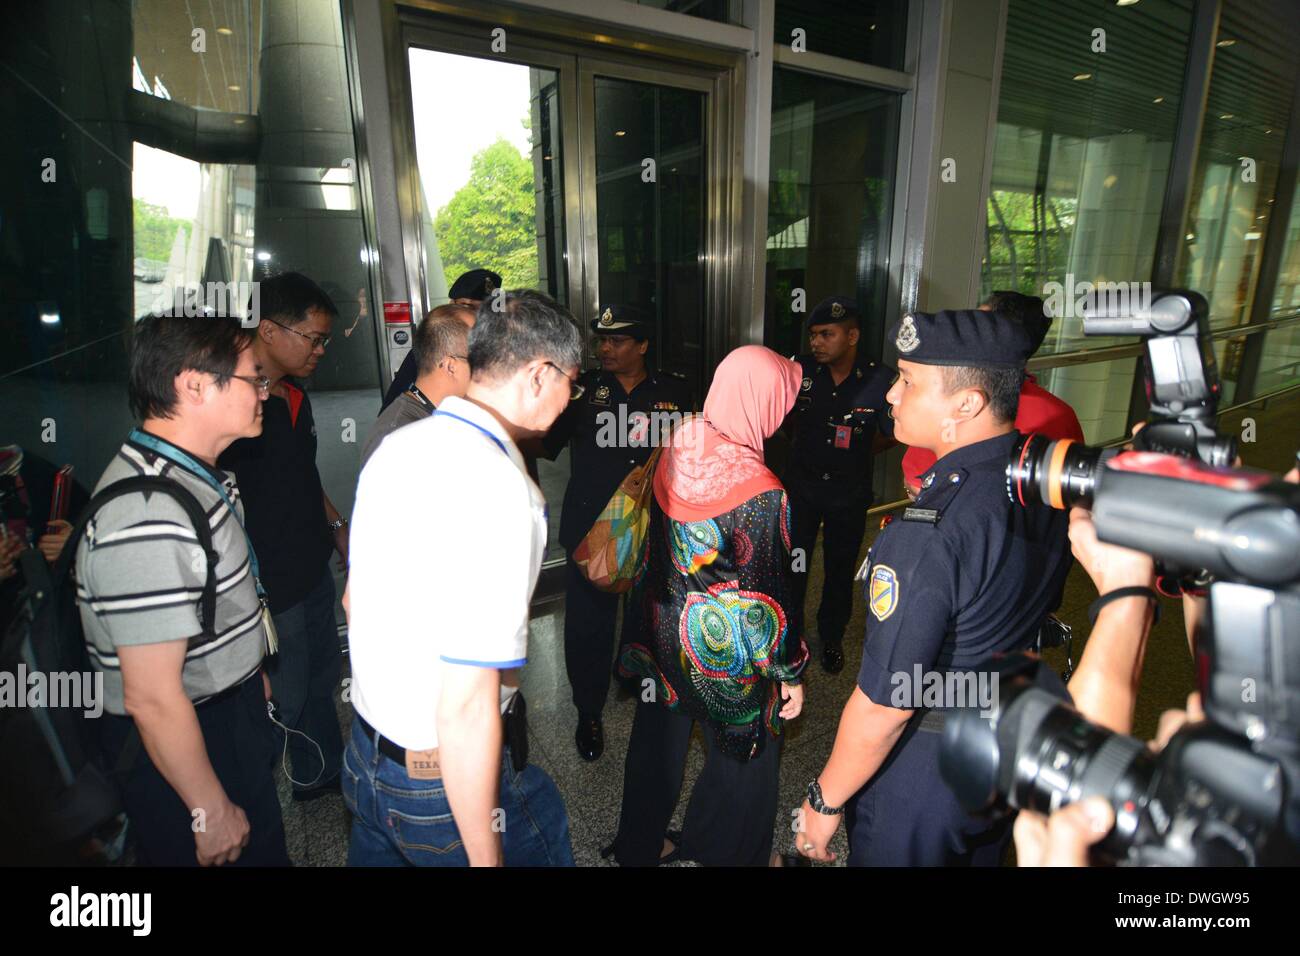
<point x="842" y="435"/>
<point x="268" y="627"/>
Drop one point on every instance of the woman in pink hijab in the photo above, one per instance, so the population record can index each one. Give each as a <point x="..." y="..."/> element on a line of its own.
<point x="707" y="636"/>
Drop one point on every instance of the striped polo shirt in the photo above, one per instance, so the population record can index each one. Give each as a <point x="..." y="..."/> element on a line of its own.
<point x="140" y="574"/>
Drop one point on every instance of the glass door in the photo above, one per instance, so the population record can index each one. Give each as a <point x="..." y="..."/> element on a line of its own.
<point x="648" y="147"/>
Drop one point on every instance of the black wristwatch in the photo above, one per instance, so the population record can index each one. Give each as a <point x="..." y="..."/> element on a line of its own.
<point x="817" y="803"/>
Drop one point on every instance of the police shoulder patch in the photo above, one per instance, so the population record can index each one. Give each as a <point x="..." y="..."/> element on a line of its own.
<point x="883" y="591"/>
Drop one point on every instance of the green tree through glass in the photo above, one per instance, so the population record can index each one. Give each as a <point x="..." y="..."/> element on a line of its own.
<point x="491" y="221"/>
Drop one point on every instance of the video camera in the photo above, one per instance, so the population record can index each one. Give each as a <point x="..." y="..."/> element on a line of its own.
<point x="1225" y="791"/>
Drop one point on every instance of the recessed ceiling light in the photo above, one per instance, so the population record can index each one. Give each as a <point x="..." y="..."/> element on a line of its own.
<point x="1125" y="3"/>
<point x="1191" y="236"/>
<point x="1158" y="99"/>
<point x="1083" y="76"/>
<point x="620" y="132"/>
<point x="233" y="87"/>
<point x="225" y="31"/>
<point x="1225" y="116"/>
<point x="1226" y="43"/>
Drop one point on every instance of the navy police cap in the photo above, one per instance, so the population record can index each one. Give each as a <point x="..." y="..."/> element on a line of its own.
<point x="476" y="284"/>
<point x="835" y="308"/>
<point x="621" y="320"/>
<point x="966" y="337"/>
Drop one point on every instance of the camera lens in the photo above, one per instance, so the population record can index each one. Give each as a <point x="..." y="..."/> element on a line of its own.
<point x="1059" y="473"/>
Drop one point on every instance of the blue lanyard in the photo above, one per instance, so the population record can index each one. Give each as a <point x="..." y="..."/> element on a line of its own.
<point x="178" y="457"/>
<point x="500" y="443"/>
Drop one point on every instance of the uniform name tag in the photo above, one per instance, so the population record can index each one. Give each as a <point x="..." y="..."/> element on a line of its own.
<point x="423" y="764"/>
<point x="842" y="435"/>
<point x="928" y="515"/>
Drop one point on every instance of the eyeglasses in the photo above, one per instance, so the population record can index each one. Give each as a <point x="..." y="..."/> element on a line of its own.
<point x="575" y="390"/>
<point x="317" y="341"/>
<point x="259" y="382"/>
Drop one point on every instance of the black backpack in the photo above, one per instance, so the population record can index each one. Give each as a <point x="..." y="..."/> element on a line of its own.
<point x="56" y="786"/>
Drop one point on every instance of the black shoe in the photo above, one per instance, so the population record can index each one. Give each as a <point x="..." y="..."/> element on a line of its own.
<point x="315" y="793"/>
<point x="832" y="658"/>
<point x="590" y="737"/>
<point x="672" y="856"/>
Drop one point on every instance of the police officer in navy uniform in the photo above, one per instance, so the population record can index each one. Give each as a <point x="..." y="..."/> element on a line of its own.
<point x="610" y="428"/>
<point x="839" y="420"/>
<point x="961" y="575"/>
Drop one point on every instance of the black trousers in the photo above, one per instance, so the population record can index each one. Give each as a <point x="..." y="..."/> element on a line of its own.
<point x="732" y="811"/>
<point x="844" y="525"/>
<point x="243" y="746"/>
<point x="907" y="815"/>
<point x="590" y="616"/>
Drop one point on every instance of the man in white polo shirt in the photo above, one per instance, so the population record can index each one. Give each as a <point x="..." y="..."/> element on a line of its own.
<point x="439" y="597"/>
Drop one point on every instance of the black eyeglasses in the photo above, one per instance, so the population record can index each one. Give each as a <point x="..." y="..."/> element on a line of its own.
<point x="575" y="390"/>
<point x="259" y="382"/>
<point x="317" y="341"/>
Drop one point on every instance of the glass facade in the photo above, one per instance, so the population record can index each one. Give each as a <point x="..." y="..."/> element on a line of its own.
<point x="166" y="154"/>
<point x="830" y="202"/>
<point x="1246" y="114"/>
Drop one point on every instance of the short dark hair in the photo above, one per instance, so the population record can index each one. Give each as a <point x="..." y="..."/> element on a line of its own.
<point x="1001" y="386"/>
<point x="288" y="296"/>
<point x="514" y="328"/>
<point x="1028" y="310"/>
<point x="163" y="346"/>
<point x="443" y="332"/>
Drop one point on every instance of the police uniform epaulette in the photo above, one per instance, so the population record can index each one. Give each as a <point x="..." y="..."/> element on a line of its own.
<point x="930" y="511"/>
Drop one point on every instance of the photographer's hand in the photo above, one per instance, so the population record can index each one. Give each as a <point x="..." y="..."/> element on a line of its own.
<point x="1109" y="566"/>
<point x="1063" y="838"/>
<point x="1104" y="686"/>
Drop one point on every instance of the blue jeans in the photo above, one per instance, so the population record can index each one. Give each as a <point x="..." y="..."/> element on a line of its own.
<point x="305" y="684"/>
<point x="397" y="821"/>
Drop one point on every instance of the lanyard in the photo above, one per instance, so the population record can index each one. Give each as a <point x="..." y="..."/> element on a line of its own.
<point x="499" y="442"/>
<point x="420" y="397"/>
<point x="178" y="457"/>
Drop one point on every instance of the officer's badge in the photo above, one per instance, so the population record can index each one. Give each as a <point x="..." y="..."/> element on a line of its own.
<point x="607" y="319"/>
<point x="837" y="310"/>
<point x="907" y="340"/>
<point x="883" y="594"/>
<point x="601" y="396"/>
<point x="806" y="385"/>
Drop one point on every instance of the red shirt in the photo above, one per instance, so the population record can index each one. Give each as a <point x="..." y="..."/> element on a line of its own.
<point x="1040" y="411"/>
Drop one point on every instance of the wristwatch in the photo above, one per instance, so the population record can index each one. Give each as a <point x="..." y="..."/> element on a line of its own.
<point x="337" y="523"/>
<point x="817" y="803"/>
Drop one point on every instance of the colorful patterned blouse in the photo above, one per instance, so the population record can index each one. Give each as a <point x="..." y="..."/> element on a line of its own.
<point x="709" y="620"/>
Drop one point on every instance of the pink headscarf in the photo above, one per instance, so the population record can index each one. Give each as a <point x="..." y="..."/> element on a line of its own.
<point x="715" y="463"/>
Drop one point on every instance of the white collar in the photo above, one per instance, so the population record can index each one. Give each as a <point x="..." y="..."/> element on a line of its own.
<point x="462" y="408"/>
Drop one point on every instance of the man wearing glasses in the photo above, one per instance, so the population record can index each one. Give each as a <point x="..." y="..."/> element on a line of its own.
<point x="440" y="347"/>
<point x="609" y="430"/>
<point x="201" y="786"/>
<point x="294" y="526"/>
